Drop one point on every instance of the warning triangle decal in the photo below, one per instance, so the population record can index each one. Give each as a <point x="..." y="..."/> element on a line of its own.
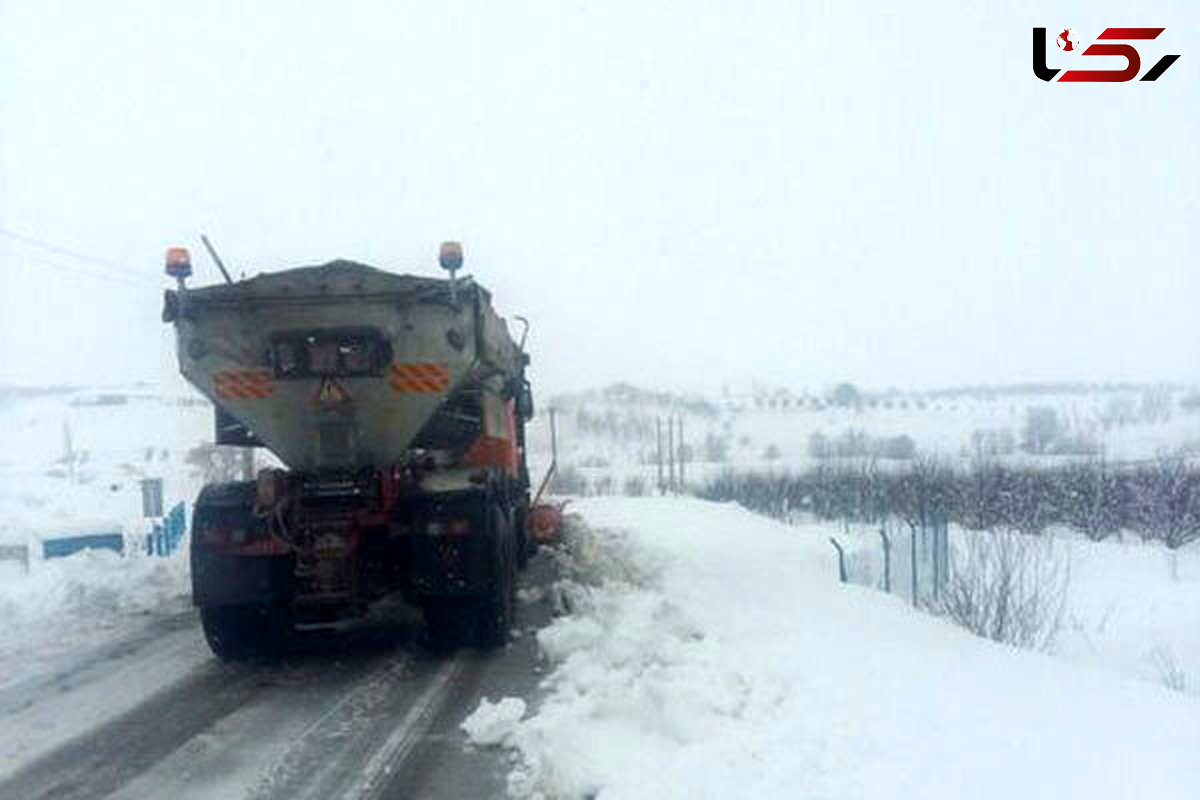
<point x="331" y="393"/>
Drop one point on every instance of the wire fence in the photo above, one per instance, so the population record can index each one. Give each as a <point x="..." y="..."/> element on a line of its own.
<point x="910" y="561"/>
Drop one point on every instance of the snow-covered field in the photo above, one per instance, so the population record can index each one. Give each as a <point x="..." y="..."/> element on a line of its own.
<point x="609" y="435"/>
<point x="73" y="461"/>
<point x="709" y="652"/>
<point x="1134" y="610"/>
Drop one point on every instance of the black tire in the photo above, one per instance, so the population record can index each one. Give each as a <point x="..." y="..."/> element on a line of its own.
<point x="247" y="633"/>
<point x="449" y="623"/>
<point x="495" y="610"/>
<point x="526" y="546"/>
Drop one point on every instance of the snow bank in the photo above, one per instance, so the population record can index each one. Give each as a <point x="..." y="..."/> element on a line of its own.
<point x="93" y="583"/>
<point x="711" y="653"/>
<point x="71" y="603"/>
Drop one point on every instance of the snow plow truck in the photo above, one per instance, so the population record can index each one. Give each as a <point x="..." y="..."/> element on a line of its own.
<point x="397" y="405"/>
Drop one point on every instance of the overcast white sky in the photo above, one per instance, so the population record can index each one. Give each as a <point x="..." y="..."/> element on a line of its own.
<point x="685" y="197"/>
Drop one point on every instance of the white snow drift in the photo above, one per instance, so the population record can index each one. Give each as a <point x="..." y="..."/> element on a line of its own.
<point x="711" y="653"/>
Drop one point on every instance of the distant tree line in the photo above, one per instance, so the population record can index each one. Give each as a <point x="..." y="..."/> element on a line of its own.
<point x="1159" y="500"/>
<point x="860" y="444"/>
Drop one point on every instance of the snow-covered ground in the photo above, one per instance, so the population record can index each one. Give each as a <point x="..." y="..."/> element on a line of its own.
<point x="610" y="435"/>
<point x="1130" y="607"/>
<point x="703" y="651"/>
<point x="66" y="606"/>
<point x="709" y="652"/>
<point x="72" y="462"/>
<point x="1133" y="609"/>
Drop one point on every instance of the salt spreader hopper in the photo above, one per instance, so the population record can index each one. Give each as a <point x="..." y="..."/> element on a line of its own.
<point x="398" y="405"/>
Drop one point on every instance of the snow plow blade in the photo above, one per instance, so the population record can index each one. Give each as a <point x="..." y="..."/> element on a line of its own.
<point x="546" y="522"/>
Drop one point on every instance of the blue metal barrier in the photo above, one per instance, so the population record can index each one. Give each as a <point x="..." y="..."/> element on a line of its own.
<point x="66" y="545"/>
<point x="165" y="537"/>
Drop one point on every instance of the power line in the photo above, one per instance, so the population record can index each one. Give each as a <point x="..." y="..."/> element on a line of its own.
<point x="21" y="259"/>
<point x="66" y="251"/>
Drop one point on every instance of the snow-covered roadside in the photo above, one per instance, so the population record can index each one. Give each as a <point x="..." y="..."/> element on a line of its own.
<point x="711" y="653"/>
<point x="1131" y="608"/>
<point x="1132" y="612"/>
<point x="72" y="604"/>
<point x="73" y="462"/>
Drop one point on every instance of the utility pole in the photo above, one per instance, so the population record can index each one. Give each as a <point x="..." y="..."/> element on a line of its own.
<point x="68" y="451"/>
<point x="658" y="457"/>
<point x="682" y="480"/>
<point x="553" y="437"/>
<point x="671" y="453"/>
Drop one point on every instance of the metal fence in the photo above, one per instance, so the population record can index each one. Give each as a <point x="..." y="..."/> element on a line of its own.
<point x="911" y="561"/>
<point x="165" y="537"/>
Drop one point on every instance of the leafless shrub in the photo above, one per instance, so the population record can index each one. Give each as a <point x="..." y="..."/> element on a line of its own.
<point x="1009" y="588"/>
<point x="1170" y="673"/>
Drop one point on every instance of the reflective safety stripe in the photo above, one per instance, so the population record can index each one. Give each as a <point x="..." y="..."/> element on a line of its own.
<point x="245" y="384"/>
<point x="420" y="378"/>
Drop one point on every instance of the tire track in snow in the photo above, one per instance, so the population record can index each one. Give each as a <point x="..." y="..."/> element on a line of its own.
<point x="97" y="763"/>
<point x="339" y="749"/>
<point x="390" y="758"/>
<point x="340" y="722"/>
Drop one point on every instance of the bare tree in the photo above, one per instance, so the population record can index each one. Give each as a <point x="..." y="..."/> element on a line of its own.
<point x="1167" y="504"/>
<point x="1090" y="493"/>
<point x="1042" y="427"/>
<point x="1157" y="404"/>
<point x="923" y="493"/>
<point x="978" y="493"/>
<point x="1027" y="504"/>
<point x="1009" y="588"/>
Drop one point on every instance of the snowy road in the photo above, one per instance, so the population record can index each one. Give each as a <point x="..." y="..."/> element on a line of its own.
<point x="366" y="714"/>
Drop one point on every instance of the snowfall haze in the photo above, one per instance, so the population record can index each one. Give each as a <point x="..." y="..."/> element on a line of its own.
<point x="685" y="195"/>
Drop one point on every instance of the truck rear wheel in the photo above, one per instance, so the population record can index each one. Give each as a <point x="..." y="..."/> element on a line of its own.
<point x="495" y="612"/>
<point x="247" y="632"/>
<point x="526" y="546"/>
<point x="482" y="618"/>
<point x="450" y="623"/>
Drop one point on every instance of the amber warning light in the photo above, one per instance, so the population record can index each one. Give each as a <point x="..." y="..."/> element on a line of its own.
<point x="450" y="256"/>
<point x="179" y="262"/>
